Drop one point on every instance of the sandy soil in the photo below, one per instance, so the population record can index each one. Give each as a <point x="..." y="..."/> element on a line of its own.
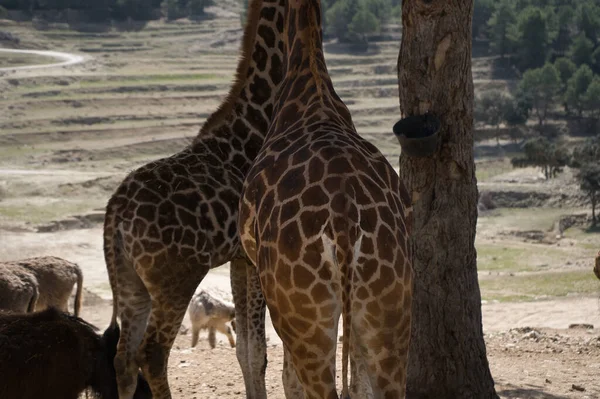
<point x="541" y="363"/>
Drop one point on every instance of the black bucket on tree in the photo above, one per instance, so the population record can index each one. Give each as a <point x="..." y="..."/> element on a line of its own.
<point x="418" y="134"/>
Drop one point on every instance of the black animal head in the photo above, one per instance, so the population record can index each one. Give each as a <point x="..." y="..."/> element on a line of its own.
<point x="106" y="374"/>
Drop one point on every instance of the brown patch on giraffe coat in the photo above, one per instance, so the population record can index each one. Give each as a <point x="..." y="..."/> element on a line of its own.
<point x="316" y="169"/>
<point x="302" y="277"/>
<point x="298" y="300"/>
<point x="332" y="184"/>
<point x="266" y="206"/>
<point x="298" y="324"/>
<point x="367" y="270"/>
<point x="314" y="196"/>
<point x="362" y="293"/>
<point x="288" y="210"/>
<point x="275" y="73"/>
<point x="319" y="293"/>
<point x="261" y="92"/>
<point x="284" y="275"/>
<point x="373" y="307"/>
<point x="320" y="340"/>
<point x="292" y="183"/>
<point x="366" y="245"/>
<point x="386" y="242"/>
<point x="313" y="222"/>
<point x="283" y="304"/>
<point x="291" y="241"/>
<point x="338" y="166"/>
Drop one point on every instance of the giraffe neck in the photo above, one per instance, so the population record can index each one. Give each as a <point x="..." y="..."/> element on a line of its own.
<point x="307" y="91"/>
<point x="304" y="41"/>
<point x="247" y="109"/>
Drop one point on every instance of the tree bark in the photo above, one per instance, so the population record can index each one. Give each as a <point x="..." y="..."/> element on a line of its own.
<point x="593" y="198"/>
<point x="448" y="354"/>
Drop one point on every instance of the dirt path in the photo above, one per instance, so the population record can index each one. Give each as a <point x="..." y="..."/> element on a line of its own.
<point x="67" y="59"/>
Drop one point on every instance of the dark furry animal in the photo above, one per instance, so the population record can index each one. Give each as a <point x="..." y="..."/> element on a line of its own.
<point x="55" y="279"/>
<point x="53" y="355"/>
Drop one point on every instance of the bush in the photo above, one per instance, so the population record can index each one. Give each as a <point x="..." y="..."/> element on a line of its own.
<point x="581" y="50"/>
<point x="543" y="153"/>
<point x="195" y="8"/>
<point x="172" y="10"/>
<point x="363" y="23"/>
<point x="539" y="87"/>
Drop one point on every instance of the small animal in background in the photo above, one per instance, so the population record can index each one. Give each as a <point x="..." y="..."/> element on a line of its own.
<point x="597" y="266"/>
<point x="18" y="290"/>
<point x="55" y="280"/>
<point x="54" y="355"/>
<point x="208" y="312"/>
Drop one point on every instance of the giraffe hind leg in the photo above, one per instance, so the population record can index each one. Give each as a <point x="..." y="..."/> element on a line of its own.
<point x="134" y="307"/>
<point x="251" y="346"/>
<point x="316" y="374"/>
<point x="257" y="342"/>
<point x="170" y="300"/>
<point x="291" y="383"/>
<point x="313" y="350"/>
<point x="237" y="275"/>
<point x="380" y="343"/>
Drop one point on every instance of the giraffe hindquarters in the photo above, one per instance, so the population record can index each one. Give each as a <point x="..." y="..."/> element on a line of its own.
<point x="380" y="337"/>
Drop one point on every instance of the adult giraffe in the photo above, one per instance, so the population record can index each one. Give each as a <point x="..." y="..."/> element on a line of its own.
<point x="326" y="222"/>
<point x="172" y="220"/>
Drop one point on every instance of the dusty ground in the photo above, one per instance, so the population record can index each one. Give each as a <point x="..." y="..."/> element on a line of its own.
<point x="69" y="135"/>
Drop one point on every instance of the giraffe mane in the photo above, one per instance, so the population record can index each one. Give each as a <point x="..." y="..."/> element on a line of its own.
<point x="311" y="38"/>
<point x="314" y="31"/>
<point x="241" y="73"/>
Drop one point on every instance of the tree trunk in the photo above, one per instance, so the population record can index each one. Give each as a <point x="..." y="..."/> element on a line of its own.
<point x="498" y="135"/>
<point x="448" y="354"/>
<point x="593" y="197"/>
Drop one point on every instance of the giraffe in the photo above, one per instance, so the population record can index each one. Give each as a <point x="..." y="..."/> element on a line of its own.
<point x="326" y="221"/>
<point x="173" y="219"/>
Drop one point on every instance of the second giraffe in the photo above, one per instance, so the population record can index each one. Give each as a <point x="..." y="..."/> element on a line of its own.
<point x="325" y="220"/>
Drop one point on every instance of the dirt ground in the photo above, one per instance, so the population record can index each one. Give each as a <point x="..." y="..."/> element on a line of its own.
<point x="69" y="135"/>
<point x="526" y="362"/>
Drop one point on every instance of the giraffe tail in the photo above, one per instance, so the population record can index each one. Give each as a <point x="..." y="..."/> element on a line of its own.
<point x="110" y="254"/>
<point x="79" y="292"/>
<point x="346" y="255"/>
<point x="346" y="319"/>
